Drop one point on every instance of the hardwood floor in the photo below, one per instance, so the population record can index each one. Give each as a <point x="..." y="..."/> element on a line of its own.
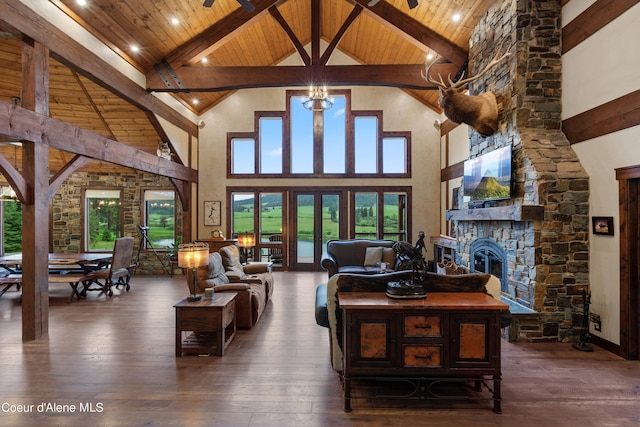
<point x="118" y="356"/>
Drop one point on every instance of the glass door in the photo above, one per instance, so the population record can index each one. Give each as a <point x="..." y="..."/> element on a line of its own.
<point x="316" y="221"/>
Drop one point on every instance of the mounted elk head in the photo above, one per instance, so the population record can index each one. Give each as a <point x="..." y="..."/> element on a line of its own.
<point x="480" y="111"/>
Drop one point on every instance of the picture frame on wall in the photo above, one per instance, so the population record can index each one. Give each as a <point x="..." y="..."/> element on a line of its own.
<point x="602" y="225"/>
<point x="212" y="214"/>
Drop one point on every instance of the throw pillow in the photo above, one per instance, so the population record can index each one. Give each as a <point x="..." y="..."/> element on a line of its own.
<point x="372" y="256"/>
<point x="389" y="256"/>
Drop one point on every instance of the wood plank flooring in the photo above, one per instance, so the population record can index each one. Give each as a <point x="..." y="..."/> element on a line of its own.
<point x="116" y="357"/>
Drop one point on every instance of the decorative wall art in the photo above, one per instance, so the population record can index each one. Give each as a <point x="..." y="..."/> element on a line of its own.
<point x="212" y="214"/>
<point x="602" y="225"/>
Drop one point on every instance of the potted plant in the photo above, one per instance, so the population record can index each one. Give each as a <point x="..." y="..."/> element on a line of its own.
<point x="172" y="249"/>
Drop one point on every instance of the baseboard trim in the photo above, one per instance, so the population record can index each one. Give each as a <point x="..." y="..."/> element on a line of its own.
<point x="607" y="345"/>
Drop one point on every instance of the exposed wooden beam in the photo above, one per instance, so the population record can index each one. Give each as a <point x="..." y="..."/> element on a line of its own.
<point x="343" y="29"/>
<point x="215" y="36"/>
<point x="27" y="125"/>
<point x="297" y="44"/>
<point x="35" y="214"/>
<point x="65" y="172"/>
<point x="93" y="106"/>
<point x="71" y="53"/>
<point x="315" y="32"/>
<point x="413" y="31"/>
<point x="595" y="17"/>
<point x="15" y="180"/>
<point x="613" y="116"/>
<point x="213" y="79"/>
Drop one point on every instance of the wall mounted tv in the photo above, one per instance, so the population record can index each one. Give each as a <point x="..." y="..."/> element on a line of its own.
<point x="488" y="177"/>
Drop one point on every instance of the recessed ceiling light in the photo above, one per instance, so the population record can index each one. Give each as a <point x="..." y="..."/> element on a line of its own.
<point x="195" y="101"/>
<point x="175" y="21"/>
<point x="81" y="2"/>
<point x="456" y="17"/>
<point x="134" y="48"/>
<point x="429" y="56"/>
<point x="205" y="60"/>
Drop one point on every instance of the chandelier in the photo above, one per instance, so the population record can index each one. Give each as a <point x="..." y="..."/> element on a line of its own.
<point x="318" y="99"/>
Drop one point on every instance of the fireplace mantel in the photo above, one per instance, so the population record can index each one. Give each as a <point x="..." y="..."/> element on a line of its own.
<point x="499" y="213"/>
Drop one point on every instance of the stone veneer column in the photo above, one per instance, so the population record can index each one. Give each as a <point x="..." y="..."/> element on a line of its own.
<point x="548" y="260"/>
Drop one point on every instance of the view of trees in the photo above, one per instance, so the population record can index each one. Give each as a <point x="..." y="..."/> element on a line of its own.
<point x="12" y="226"/>
<point x="104" y="222"/>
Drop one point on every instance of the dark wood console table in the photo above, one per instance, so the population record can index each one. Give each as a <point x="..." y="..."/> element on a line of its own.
<point x="216" y="244"/>
<point x="447" y="336"/>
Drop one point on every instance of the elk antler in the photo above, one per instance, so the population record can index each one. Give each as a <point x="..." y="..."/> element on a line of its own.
<point x="461" y="82"/>
<point x="425" y="75"/>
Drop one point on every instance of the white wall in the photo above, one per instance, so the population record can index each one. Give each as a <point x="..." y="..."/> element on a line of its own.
<point x="600" y="69"/>
<point x="455" y="149"/>
<point x="401" y="113"/>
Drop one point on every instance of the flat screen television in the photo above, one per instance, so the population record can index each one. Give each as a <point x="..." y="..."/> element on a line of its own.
<point x="488" y="177"/>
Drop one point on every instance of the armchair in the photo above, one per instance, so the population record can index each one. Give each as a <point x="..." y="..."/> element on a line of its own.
<point x="251" y="297"/>
<point x="255" y="272"/>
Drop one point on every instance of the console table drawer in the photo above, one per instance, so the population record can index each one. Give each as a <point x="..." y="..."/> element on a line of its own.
<point x="422" y="356"/>
<point x="422" y="326"/>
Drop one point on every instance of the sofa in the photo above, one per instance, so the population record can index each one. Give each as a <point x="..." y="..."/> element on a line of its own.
<point x="359" y="256"/>
<point x="254" y="289"/>
<point x="329" y="315"/>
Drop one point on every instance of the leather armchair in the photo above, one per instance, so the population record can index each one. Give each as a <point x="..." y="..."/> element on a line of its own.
<point x="251" y="297"/>
<point x="254" y="272"/>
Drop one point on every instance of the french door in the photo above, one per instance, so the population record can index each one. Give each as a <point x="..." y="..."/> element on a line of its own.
<point x="317" y="218"/>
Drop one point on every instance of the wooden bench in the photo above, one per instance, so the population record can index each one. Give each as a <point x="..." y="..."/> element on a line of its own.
<point x="10" y="280"/>
<point x="74" y="279"/>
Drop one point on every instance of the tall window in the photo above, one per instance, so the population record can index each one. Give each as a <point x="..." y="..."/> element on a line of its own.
<point x="11" y="212"/>
<point x="243" y="205"/>
<point x="335" y="137"/>
<point x="159" y="216"/>
<point x="394" y="206"/>
<point x="102" y="218"/>
<point x="366" y="215"/>
<point x="270" y="145"/>
<point x="301" y="137"/>
<point x="366" y="144"/>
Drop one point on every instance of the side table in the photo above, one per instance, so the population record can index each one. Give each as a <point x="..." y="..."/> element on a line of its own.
<point x="212" y="323"/>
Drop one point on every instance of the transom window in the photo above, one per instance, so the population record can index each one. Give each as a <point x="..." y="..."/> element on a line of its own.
<point x="333" y="142"/>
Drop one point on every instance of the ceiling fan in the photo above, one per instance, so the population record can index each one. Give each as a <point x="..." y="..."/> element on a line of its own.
<point x="245" y="3"/>
<point x="412" y="3"/>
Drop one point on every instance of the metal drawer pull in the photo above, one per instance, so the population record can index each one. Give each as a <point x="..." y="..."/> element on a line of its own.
<point x="423" y="326"/>
<point x="428" y="356"/>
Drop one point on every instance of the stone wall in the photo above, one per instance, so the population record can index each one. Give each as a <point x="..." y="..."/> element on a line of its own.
<point x="547" y="260"/>
<point x="67" y="212"/>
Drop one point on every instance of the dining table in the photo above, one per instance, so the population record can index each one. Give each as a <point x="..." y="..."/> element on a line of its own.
<point x="61" y="262"/>
<point x="69" y="267"/>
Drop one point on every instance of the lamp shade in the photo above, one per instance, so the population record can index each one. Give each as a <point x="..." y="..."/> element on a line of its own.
<point x="246" y="240"/>
<point x="193" y="255"/>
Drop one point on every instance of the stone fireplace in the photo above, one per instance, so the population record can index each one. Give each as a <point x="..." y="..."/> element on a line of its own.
<point x="538" y="239"/>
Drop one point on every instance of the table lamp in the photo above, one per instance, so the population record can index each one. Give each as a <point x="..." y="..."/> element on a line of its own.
<point x="246" y="241"/>
<point x="192" y="256"/>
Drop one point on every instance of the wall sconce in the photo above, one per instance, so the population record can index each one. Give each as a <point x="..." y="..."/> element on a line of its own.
<point x="192" y="256"/>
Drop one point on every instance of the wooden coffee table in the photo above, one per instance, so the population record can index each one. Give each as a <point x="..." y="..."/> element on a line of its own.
<point x="205" y="326"/>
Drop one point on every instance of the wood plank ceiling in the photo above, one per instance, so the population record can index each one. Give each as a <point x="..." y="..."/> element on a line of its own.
<point x="387" y="34"/>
